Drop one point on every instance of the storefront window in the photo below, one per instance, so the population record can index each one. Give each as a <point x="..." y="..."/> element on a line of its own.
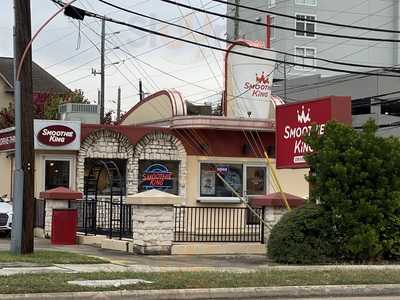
<point x="256" y="180"/>
<point x="212" y="186"/>
<point x="162" y="175"/>
<point x="57" y="173"/>
<point x="104" y="184"/>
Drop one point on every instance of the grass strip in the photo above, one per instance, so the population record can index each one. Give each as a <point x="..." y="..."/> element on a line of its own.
<point x="43" y="257"/>
<point x="51" y="283"/>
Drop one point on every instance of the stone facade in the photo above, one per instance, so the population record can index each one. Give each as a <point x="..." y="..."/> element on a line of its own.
<point x="271" y="217"/>
<point x="153" y="228"/>
<point x="161" y="146"/>
<point x="106" y="144"/>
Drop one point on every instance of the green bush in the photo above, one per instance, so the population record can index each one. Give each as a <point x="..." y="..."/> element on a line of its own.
<point x="302" y="236"/>
<point x="356" y="179"/>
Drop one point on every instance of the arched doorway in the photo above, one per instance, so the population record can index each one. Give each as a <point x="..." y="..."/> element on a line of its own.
<point x="110" y="217"/>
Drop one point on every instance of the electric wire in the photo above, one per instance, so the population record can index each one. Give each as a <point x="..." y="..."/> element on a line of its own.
<point x="282" y="27"/>
<point x="232" y="42"/>
<point x="224" y="50"/>
<point x="311" y="21"/>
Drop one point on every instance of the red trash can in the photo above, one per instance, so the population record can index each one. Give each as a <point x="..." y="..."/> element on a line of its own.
<point x="63" y="226"/>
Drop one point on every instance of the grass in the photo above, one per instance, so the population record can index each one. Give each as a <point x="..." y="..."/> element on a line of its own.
<point x="43" y="257"/>
<point x="18" y="284"/>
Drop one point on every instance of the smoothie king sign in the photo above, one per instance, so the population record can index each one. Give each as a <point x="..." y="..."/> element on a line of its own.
<point x="294" y="121"/>
<point x="60" y="135"/>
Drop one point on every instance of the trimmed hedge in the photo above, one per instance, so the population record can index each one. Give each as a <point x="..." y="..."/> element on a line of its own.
<point x="302" y="236"/>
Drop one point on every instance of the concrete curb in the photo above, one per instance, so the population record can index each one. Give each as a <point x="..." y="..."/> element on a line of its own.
<point x="224" y="293"/>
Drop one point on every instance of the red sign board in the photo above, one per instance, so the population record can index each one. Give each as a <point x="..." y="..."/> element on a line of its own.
<point x="294" y="121"/>
<point x="56" y="135"/>
<point x="7" y="140"/>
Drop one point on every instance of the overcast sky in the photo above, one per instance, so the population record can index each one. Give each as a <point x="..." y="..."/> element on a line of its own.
<point x="70" y="53"/>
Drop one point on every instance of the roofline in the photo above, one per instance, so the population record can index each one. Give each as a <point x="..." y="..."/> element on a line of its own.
<point x="148" y="98"/>
<point x="6" y="81"/>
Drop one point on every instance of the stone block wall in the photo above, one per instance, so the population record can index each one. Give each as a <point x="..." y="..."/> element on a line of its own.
<point x="153" y="228"/>
<point x="271" y="217"/>
<point x="106" y="144"/>
<point x="161" y="146"/>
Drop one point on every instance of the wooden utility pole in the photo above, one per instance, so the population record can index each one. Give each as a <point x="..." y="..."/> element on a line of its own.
<point x="24" y="242"/>
<point x="119" y="104"/>
<point x="102" y="78"/>
<point x="141" y="92"/>
<point x="236" y="21"/>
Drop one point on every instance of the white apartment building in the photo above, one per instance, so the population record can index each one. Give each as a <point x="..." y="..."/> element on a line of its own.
<point x="367" y="13"/>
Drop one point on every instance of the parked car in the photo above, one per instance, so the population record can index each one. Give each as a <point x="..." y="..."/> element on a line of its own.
<point x="6" y="213"/>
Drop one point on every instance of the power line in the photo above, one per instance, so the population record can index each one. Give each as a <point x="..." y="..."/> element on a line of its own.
<point x="141" y="37"/>
<point x="166" y="73"/>
<point x="282" y="27"/>
<point x="230" y="42"/>
<point x="235" y="52"/>
<point x="311" y="21"/>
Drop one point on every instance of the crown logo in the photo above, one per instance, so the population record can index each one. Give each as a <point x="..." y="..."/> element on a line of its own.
<point x="262" y="78"/>
<point x="303" y="117"/>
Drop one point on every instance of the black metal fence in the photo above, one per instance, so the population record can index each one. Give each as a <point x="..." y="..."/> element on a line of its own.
<point x="218" y="224"/>
<point x="103" y="217"/>
<point x="40" y="213"/>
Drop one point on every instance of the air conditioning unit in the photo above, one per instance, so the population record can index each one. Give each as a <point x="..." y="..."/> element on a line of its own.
<point x="86" y="113"/>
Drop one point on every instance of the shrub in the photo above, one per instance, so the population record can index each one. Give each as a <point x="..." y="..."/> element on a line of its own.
<point x="302" y="236"/>
<point x="356" y="179"/>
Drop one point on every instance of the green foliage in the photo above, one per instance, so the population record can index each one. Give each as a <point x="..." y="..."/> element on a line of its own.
<point x="45" y="106"/>
<point x="302" y="236"/>
<point x="356" y="180"/>
<point x="52" y="103"/>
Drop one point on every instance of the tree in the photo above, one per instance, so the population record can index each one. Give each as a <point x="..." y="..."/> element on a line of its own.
<point x="45" y="106"/>
<point x="356" y="180"/>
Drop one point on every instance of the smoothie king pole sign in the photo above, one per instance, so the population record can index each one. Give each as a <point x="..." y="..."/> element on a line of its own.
<point x="294" y="121"/>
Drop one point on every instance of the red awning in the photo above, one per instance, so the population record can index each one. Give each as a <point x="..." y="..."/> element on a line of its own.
<point x="276" y="200"/>
<point x="61" y="193"/>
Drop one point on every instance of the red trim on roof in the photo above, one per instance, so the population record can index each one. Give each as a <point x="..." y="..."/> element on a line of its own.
<point x="217" y="140"/>
<point x="61" y="193"/>
<point x="276" y="200"/>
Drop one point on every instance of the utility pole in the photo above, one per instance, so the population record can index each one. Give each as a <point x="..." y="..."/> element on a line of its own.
<point x="23" y="205"/>
<point x="285" y="77"/>
<point x="236" y="21"/>
<point x="141" y="93"/>
<point x="119" y="104"/>
<point x="103" y="37"/>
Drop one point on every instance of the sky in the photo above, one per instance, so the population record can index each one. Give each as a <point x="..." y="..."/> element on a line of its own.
<point x="69" y="49"/>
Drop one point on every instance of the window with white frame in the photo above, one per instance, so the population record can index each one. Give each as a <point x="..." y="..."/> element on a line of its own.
<point x="271" y="3"/>
<point x="244" y="179"/>
<point x="305" y="23"/>
<point x="306" y="56"/>
<point x="306" y="2"/>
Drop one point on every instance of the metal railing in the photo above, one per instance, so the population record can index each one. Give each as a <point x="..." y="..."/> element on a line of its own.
<point x="218" y="224"/>
<point x="104" y="218"/>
